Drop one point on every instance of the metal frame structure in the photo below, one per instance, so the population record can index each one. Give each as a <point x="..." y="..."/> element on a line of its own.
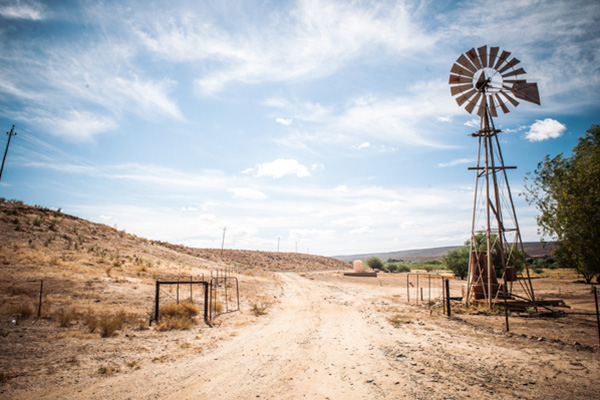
<point x="485" y="80"/>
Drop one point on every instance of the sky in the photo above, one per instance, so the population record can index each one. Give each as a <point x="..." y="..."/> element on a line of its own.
<point x="314" y="126"/>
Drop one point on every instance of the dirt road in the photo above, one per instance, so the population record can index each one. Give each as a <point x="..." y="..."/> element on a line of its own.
<point x="326" y="340"/>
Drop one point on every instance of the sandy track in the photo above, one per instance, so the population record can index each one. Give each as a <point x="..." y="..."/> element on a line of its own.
<point x="329" y="341"/>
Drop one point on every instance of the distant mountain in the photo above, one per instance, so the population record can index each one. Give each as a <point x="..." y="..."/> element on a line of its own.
<point x="533" y="249"/>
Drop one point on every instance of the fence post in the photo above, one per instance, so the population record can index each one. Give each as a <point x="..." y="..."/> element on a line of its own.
<point x="206" y="302"/>
<point x="597" y="312"/>
<point x="408" y="287"/>
<point x="40" y="302"/>
<point x="506" y="307"/>
<point x="417" y="293"/>
<point x="156" y="301"/>
<point x="429" y="298"/>
<point x="448" y="298"/>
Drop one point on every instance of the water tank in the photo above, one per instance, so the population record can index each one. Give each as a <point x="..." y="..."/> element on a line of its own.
<point x="358" y="267"/>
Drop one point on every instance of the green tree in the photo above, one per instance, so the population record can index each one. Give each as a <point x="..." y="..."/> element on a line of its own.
<point x="457" y="261"/>
<point x="566" y="190"/>
<point x="375" y="263"/>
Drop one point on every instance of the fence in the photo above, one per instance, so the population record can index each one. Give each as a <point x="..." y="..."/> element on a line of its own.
<point x="217" y="294"/>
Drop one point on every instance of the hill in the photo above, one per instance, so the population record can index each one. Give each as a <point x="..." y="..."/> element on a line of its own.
<point x="533" y="249"/>
<point x="95" y="267"/>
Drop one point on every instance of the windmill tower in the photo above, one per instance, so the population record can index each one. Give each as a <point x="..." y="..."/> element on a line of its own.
<point x="487" y="81"/>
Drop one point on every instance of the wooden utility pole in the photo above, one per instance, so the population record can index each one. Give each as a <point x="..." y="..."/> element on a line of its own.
<point x="223" y="241"/>
<point x="10" y="135"/>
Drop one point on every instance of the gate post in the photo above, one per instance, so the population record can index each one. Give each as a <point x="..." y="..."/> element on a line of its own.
<point x="156" y="301"/>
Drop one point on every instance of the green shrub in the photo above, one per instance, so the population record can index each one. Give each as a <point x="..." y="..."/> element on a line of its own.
<point x="375" y="262"/>
<point x="259" y="310"/>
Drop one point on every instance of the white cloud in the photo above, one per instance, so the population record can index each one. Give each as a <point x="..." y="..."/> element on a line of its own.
<point x="278" y="169"/>
<point x="456" y="162"/>
<point x="363" y="145"/>
<point x="473" y="123"/>
<point x="316" y="167"/>
<point x="248" y="194"/>
<point x="311" y="39"/>
<point x="73" y="125"/>
<point x="545" y="129"/>
<point x="31" y="10"/>
<point x="284" y="121"/>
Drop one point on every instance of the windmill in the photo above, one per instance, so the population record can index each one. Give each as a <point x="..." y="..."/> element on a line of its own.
<point x="488" y="81"/>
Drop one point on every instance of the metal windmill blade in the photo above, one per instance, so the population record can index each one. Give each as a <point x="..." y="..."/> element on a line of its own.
<point x="487" y="78"/>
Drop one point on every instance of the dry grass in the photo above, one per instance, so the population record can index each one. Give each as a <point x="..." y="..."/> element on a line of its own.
<point x="109" y="324"/>
<point x="66" y="316"/>
<point x="177" y="316"/>
<point x="23" y="309"/>
<point x="397" y="320"/>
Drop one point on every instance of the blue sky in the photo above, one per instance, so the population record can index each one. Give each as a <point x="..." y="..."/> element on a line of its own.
<point x="325" y="126"/>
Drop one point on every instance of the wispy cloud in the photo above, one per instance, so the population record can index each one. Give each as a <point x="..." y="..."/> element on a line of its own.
<point x="73" y="125"/>
<point x="459" y="161"/>
<point x="248" y="194"/>
<point x="404" y="119"/>
<point x="31" y="10"/>
<point x="308" y="40"/>
<point x="78" y="78"/>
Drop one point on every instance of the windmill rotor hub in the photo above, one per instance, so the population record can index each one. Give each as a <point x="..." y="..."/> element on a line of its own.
<point x="488" y="81"/>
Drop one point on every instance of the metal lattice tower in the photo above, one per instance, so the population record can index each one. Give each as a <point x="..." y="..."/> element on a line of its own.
<point x="486" y="81"/>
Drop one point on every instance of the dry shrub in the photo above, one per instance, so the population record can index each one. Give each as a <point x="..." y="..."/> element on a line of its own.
<point x="92" y="322"/>
<point x="107" y="370"/>
<point x="109" y="324"/>
<point x="141" y="324"/>
<point x="177" y="316"/>
<point x="133" y="365"/>
<point x="66" y="316"/>
<point x="25" y="310"/>
<point x="183" y="309"/>
<point x="170" y="323"/>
